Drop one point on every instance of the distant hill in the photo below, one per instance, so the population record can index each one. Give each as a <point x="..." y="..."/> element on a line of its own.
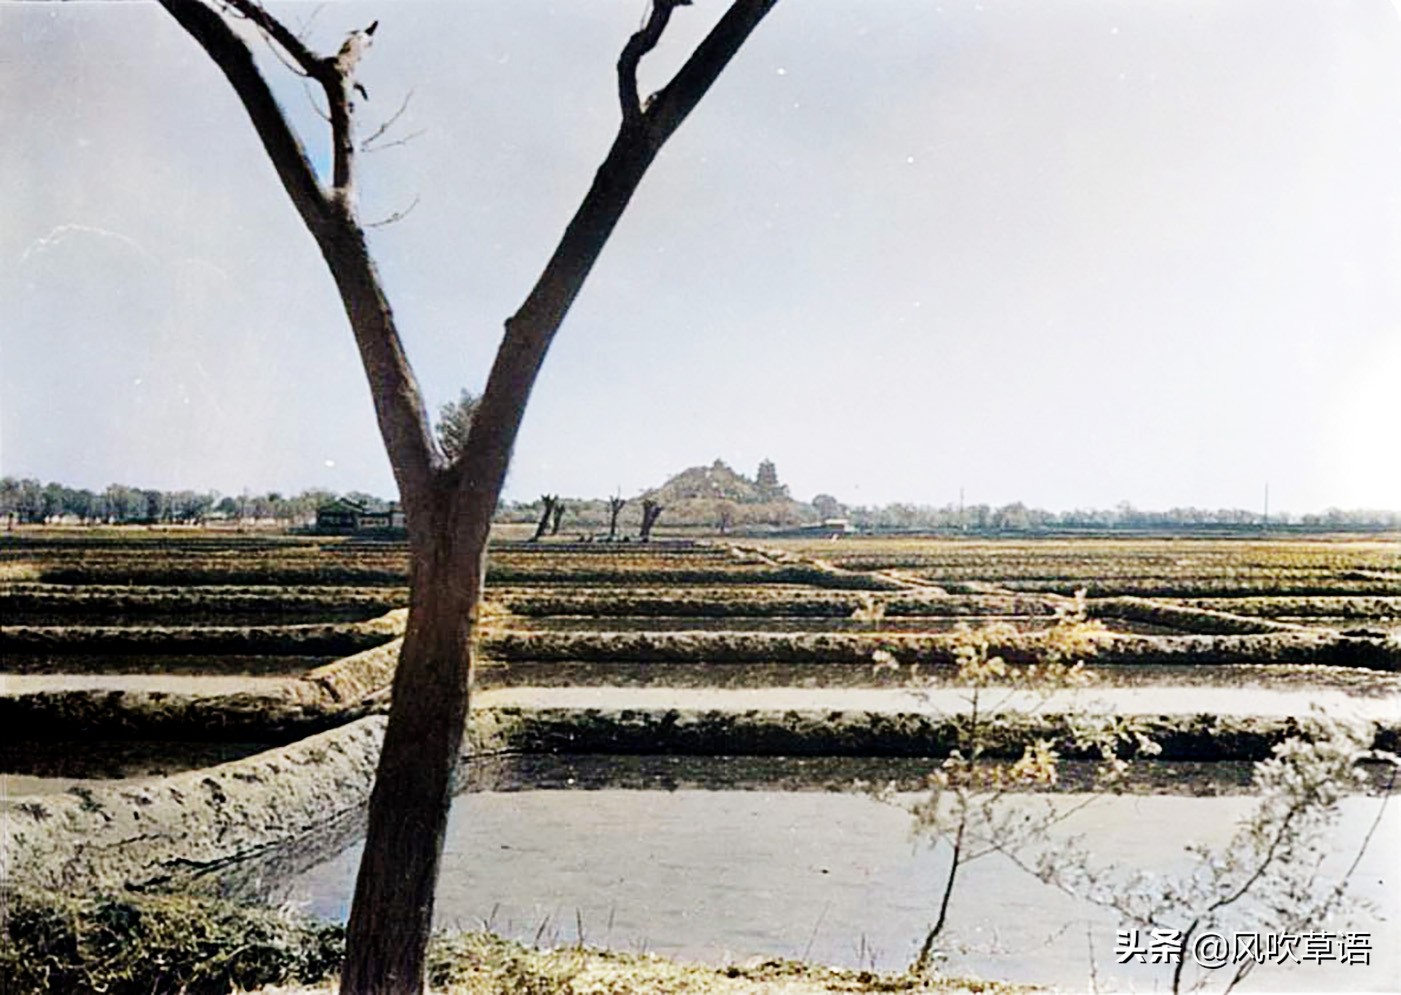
<point x="702" y="493"/>
<point x="717" y="482"/>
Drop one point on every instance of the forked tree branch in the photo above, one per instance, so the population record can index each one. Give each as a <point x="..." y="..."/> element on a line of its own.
<point x="677" y="99"/>
<point x="642" y="42"/>
<point x="663" y="113"/>
<point x="336" y="74"/>
<point x="530" y="330"/>
<point x="450" y="506"/>
<point x="283" y="147"/>
<point x="311" y="63"/>
<point x="329" y="217"/>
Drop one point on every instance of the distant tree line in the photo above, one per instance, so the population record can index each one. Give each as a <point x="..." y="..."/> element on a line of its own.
<point x="725" y="515"/>
<point x="30" y="502"/>
<point x="1017" y="517"/>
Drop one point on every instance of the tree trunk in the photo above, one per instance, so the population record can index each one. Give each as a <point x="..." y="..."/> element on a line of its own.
<point x="615" y="505"/>
<point x="546" y="512"/>
<point x="393" y="909"/>
<point x="651" y="511"/>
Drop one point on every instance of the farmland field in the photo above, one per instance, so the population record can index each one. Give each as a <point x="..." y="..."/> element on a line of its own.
<point x="134" y="655"/>
<point x="128" y="609"/>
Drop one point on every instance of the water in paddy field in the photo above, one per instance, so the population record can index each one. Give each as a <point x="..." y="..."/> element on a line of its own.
<point x="1262" y="689"/>
<point x="691" y="862"/>
<point x="38" y="767"/>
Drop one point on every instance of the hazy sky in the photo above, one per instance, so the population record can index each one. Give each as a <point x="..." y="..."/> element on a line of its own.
<point x="1063" y="252"/>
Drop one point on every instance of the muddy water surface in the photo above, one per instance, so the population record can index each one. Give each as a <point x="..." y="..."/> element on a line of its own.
<point x="722" y="875"/>
<point x="1305" y="679"/>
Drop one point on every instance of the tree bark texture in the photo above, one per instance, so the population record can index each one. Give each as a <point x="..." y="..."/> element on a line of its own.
<point x="391" y="916"/>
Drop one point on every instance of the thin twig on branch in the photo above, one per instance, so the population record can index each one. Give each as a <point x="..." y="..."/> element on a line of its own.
<point x="309" y="20"/>
<point x="368" y="145"/>
<point x="399" y="215"/>
<point x="284" y="148"/>
<point x="311" y="99"/>
<point x="336" y="74"/>
<point x="397" y="142"/>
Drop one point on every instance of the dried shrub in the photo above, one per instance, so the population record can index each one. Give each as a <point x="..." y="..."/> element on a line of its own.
<point x="146" y="945"/>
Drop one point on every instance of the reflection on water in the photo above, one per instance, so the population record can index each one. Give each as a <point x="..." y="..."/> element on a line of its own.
<point x="721" y="875"/>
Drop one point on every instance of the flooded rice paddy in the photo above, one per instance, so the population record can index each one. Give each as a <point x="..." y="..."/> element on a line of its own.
<point x="715" y="860"/>
<point x="727" y="858"/>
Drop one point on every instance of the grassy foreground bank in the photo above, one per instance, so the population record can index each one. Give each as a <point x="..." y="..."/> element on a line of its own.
<point x="152" y="944"/>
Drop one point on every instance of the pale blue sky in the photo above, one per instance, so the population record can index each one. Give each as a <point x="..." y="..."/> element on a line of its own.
<point x="1067" y="253"/>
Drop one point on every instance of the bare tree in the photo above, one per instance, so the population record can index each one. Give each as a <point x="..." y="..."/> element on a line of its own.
<point x="615" y="507"/>
<point x="651" y="511"/>
<point x="725" y="515"/>
<point x="448" y="502"/>
<point x="547" y="510"/>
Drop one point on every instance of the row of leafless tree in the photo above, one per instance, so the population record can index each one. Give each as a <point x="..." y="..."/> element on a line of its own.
<point x="552" y="511"/>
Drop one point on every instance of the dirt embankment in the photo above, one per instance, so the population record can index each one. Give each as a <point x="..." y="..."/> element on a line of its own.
<point x="864" y="733"/>
<point x="174" y="832"/>
<point x="326" y="639"/>
<point x="273" y="710"/>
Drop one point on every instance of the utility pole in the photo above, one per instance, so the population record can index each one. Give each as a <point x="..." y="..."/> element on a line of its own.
<point x="1267" y="506"/>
